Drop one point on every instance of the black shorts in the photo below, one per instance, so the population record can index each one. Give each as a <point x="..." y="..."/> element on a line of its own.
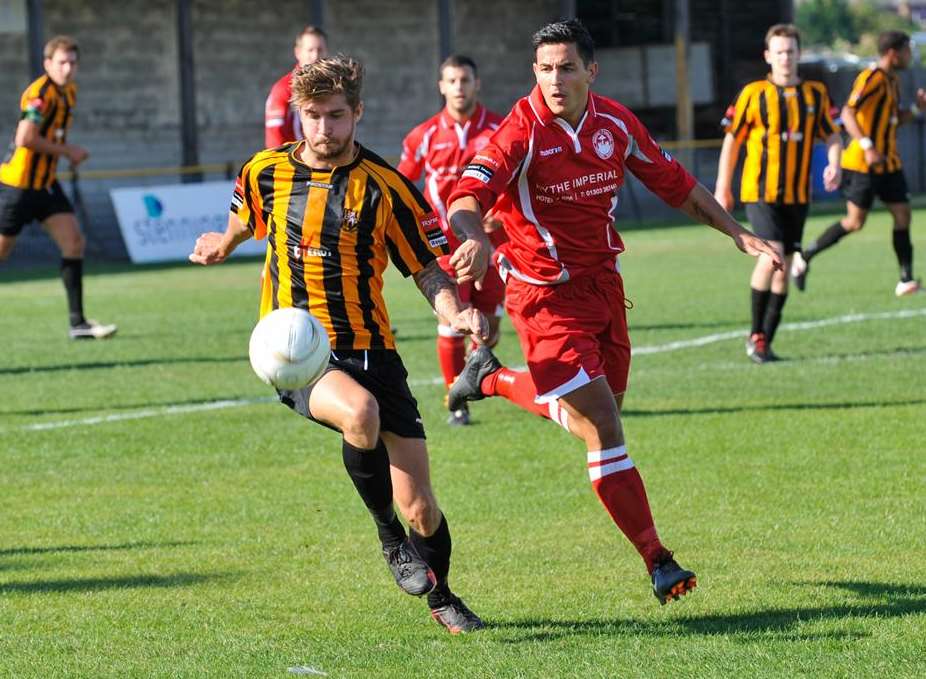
<point x="781" y="223"/>
<point x="381" y="372"/>
<point x="861" y="188"/>
<point x="19" y="207"/>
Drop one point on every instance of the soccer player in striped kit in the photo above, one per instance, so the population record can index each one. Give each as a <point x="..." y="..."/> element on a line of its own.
<point x="560" y="157"/>
<point x="778" y="118"/>
<point x="29" y="189"/>
<point x="871" y="163"/>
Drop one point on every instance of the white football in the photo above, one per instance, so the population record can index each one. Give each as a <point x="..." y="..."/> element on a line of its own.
<point x="289" y="349"/>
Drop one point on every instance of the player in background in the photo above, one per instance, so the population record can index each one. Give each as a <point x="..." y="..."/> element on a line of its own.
<point x="29" y="189"/>
<point x="281" y="122"/>
<point x="778" y="118"/>
<point x="334" y="214"/>
<point x="871" y="163"/>
<point x="560" y="156"/>
<point x="440" y="148"/>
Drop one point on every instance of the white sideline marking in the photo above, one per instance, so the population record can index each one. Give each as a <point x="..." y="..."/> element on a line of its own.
<point x="805" y="325"/>
<point x="149" y="412"/>
<point x="654" y="349"/>
<point x="307" y="669"/>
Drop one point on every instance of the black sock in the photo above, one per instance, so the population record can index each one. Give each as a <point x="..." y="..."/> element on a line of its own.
<point x="72" y="273"/>
<point x="904" y="250"/>
<point x="776" y="303"/>
<point x="435" y="550"/>
<point x="833" y="234"/>
<point x="759" y="306"/>
<point x="369" y="470"/>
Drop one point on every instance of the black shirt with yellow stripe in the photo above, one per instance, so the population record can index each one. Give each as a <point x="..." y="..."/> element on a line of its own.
<point x="875" y="97"/>
<point x="779" y="126"/>
<point x="330" y="235"/>
<point x="51" y="108"/>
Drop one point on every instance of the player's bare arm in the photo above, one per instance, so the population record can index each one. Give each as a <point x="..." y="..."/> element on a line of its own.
<point x="832" y="173"/>
<point x="471" y="259"/>
<point x="441" y="293"/>
<point x="729" y="156"/>
<point x="701" y="206"/>
<point x="214" y="247"/>
<point x="29" y="136"/>
<point x="908" y="114"/>
<point x="872" y="155"/>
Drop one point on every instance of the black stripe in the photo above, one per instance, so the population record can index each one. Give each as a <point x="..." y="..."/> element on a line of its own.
<point x="870" y="92"/>
<point x="804" y="145"/>
<point x="891" y="139"/>
<point x="274" y="263"/>
<point x="372" y="198"/>
<point x="332" y="268"/>
<point x="879" y="107"/>
<point x="783" y="144"/>
<point x="37" y="180"/>
<point x="409" y="227"/>
<point x="265" y="188"/>
<point x="295" y="215"/>
<point x="763" y="160"/>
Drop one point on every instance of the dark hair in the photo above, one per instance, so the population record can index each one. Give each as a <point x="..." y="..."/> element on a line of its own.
<point x="327" y="77"/>
<point x="572" y="31"/>
<point x="892" y="40"/>
<point x="311" y="30"/>
<point x="783" y="31"/>
<point x="458" y="61"/>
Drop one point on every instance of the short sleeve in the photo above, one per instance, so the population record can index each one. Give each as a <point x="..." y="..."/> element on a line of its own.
<point x="246" y="203"/>
<point x="660" y="173"/>
<point x="825" y="124"/>
<point x="736" y="120"/>
<point x="413" y="234"/>
<point x="866" y="84"/>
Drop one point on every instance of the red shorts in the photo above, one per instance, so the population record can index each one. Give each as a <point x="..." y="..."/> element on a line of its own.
<point x="489" y="300"/>
<point x="572" y="333"/>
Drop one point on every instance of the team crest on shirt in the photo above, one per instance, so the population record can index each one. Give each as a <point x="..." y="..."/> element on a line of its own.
<point x="350" y="220"/>
<point x="603" y="143"/>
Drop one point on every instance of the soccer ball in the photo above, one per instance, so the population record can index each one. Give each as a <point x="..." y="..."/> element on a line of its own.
<point x="289" y="349"/>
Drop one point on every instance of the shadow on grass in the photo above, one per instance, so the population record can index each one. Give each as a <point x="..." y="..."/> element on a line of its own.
<point x="891" y="600"/>
<point x="99" y="365"/>
<point x="99" y="584"/>
<point x="15" y="551"/>
<point x="721" y="410"/>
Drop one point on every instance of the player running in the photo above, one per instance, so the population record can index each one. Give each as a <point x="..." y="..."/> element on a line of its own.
<point x="440" y="147"/>
<point x="871" y="163"/>
<point x="334" y="214"/>
<point x="29" y="190"/>
<point x="560" y="156"/>
<point x="281" y="122"/>
<point x="778" y="118"/>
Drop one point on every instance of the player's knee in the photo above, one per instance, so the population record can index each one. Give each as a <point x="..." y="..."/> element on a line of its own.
<point x="362" y="426"/>
<point x="6" y="247"/>
<point x="73" y="245"/>
<point x="422" y="513"/>
<point x="853" y="224"/>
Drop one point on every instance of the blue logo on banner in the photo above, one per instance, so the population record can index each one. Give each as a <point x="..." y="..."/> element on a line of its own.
<point x="153" y="206"/>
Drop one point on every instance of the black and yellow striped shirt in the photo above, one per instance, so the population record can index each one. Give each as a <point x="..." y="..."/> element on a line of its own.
<point x="779" y="126"/>
<point x="51" y="108"/>
<point x="330" y="234"/>
<point x="875" y="97"/>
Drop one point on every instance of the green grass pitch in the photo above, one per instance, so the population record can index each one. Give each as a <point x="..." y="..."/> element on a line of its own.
<point x="160" y="517"/>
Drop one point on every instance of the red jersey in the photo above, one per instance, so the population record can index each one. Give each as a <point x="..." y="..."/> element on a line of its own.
<point x="563" y="185"/>
<point x="441" y="147"/>
<point x="281" y="122"/>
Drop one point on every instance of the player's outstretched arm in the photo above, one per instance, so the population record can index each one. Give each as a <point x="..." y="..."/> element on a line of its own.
<point x="441" y="293"/>
<point x="701" y="206"/>
<point x="729" y="155"/>
<point x="215" y="247"/>
<point x="471" y="259"/>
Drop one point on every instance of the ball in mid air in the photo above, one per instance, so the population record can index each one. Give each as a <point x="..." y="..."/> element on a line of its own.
<point x="289" y="349"/>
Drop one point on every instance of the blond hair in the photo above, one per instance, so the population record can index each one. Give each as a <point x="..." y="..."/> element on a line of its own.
<point x="60" y="42"/>
<point x="326" y="78"/>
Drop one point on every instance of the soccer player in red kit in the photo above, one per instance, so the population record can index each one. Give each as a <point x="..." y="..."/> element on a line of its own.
<point x="560" y="157"/>
<point x="281" y="122"/>
<point x="440" y="147"/>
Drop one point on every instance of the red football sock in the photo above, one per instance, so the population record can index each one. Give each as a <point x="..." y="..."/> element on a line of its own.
<point x="518" y="387"/>
<point x="451" y="356"/>
<point x="619" y="487"/>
